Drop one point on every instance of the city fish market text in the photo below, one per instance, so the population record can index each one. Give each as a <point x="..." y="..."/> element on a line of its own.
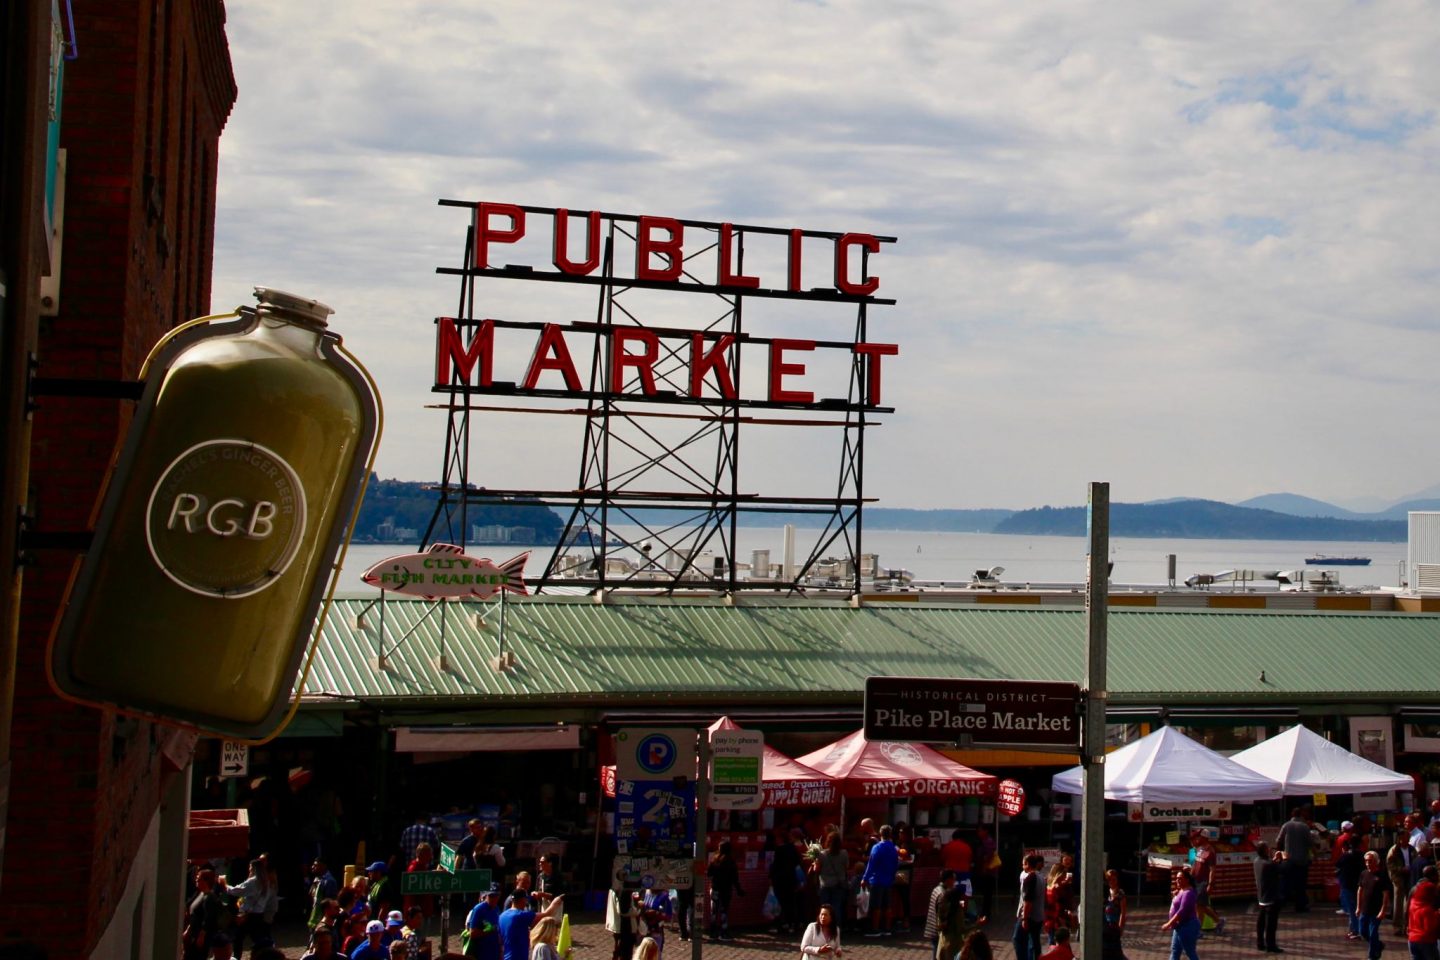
<point x="444" y="571"/>
<point x="963" y="721"/>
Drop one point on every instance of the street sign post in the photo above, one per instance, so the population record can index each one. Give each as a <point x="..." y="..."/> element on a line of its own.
<point x="441" y="882"/>
<point x="234" y="759"/>
<point x="736" y="761"/>
<point x="979" y="713"/>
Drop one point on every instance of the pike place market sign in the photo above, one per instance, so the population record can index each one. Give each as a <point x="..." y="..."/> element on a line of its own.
<point x="980" y="713"/>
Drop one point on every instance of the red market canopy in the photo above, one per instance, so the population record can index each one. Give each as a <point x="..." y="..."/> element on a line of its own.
<point x="883" y="768"/>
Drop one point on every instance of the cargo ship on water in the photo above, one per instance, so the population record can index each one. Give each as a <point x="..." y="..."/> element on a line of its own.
<point x="1325" y="560"/>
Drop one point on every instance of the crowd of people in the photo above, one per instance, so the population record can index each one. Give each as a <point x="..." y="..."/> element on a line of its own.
<point x="862" y="887"/>
<point x="1379" y="880"/>
<point x="370" y="917"/>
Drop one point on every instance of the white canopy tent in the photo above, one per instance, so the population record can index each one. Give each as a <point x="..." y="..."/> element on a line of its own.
<point x="1169" y="767"/>
<point x="1305" y="762"/>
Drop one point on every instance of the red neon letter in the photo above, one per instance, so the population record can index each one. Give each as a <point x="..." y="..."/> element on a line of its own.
<point x="645" y="245"/>
<point x="642" y="362"/>
<point x="727" y="277"/>
<point x="448" y="347"/>
<point x="873" y="352"/>
<point x="779" y="368"/>
<point x="842" y="264"/>
<point x="702" y="362"/>
<point x="484" y="235"/>
<point x="795" y="237"/>
<point x="592" y="243"/>
<point x="552" y="341"/>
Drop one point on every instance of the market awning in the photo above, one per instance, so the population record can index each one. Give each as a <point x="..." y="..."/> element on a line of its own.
<point x="1167" y="766"/>
<point x="1306" y="762"/>
<point x="473" y="739"/>
<point x="882" y="768"/>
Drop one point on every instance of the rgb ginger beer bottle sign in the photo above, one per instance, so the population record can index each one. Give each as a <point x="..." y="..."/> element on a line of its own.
<point x="236" y="484"/>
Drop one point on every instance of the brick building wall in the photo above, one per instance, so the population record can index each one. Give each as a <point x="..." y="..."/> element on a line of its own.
<point x="144" y="105"/>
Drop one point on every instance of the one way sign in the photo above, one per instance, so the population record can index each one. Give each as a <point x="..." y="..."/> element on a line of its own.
<point x="234" y="759"/>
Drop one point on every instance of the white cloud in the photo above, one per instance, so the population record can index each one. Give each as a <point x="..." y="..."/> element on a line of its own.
<point x="1187" y="248"/>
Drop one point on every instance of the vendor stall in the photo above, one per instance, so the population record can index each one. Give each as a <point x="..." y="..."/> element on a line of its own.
<point x="790" y="788"/>
<point x="867" y="770"/>
<point x="880" y="768"/>
<point x="1170" y="767"/>
<point x="1306" y="763"/>
<point x="1169" y="776"/>
<point x="1234" y="874"/>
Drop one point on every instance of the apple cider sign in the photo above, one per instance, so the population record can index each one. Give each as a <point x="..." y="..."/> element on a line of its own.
<point x="651" y="252"/>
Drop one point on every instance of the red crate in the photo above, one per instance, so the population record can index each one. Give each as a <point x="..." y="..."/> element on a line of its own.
<point x="219" y="833"/>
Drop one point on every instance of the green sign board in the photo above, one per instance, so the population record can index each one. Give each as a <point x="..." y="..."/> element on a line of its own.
<point x="448" y="857"/>
<point x="733" y="770"/>
<point x="438" y="881"/>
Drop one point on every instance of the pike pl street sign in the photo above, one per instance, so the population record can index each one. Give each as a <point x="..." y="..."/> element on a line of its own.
<point x="438" y="881"/>
<point x="981" y="713"/>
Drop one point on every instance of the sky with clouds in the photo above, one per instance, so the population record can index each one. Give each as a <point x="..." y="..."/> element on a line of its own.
<point x="1188" y="248"/>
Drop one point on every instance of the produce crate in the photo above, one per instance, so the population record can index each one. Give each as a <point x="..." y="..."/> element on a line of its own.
<point x="219" y="833"/>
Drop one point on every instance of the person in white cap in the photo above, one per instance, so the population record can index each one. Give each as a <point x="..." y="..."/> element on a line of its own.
<point x="1347" y="832"/>
<point x="372" y="948"/>
<point x="394" y="927"/>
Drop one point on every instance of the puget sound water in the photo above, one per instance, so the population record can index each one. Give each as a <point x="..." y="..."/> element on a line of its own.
<point x="954" y="557"/>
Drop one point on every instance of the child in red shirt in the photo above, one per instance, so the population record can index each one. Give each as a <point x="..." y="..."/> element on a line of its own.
<point x="1061" y="950"/>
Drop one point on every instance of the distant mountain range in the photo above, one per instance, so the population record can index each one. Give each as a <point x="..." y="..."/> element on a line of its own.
<point x="1203" y="519"/>
<point x="1274" y="516"/>
<point x="1298" y="506"/>
<point x="1280" y="516"/>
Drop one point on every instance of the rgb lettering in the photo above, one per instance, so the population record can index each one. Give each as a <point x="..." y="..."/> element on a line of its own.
<point x="225" y="518"/>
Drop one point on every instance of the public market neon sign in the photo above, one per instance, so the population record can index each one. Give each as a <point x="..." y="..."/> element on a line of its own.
<point x="668" y="253"/>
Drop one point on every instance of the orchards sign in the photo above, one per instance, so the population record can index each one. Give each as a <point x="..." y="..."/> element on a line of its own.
<point x="982" y="713"/>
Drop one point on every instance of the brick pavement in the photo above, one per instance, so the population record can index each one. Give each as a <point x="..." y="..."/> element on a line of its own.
<point x="1317" y="935"/>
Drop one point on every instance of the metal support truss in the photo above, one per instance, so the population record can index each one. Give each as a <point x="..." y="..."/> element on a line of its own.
<point x="658" y="500"/>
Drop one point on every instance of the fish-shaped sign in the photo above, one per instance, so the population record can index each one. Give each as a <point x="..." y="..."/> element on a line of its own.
<point x="444" y="571"/>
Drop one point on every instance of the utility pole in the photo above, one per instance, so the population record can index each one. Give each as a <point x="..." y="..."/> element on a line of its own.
<point x="1092" y="759"/>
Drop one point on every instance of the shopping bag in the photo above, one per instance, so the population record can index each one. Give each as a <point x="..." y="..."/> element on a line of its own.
<point x="862" y="903"/>
<point x="770" y="909"/>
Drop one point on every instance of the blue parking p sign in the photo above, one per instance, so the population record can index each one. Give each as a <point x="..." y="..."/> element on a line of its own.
<point x="655" y="754"/>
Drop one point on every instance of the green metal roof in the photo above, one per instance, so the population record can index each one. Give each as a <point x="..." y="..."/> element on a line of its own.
<point x="573" y="650"/>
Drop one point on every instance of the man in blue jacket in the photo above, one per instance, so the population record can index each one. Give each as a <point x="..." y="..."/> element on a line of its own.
<point x="515" y="923"/>
<point x="878" y="878"/>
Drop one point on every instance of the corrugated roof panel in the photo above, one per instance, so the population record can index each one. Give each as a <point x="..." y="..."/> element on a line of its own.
<point x="575" y="648"/>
